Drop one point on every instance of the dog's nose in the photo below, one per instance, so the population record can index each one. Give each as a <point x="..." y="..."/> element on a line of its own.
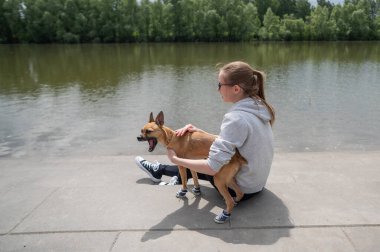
<point x="141" y="138"/>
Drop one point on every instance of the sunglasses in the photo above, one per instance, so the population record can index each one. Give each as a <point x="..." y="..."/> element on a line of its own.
<point x="220" y="85"/>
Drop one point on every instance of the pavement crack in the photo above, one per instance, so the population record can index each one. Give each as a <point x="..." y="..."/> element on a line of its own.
<point x="193" y="229"/>
<point x="114" y="241"/>
<point x="35" y="208"/>
<point x="349" y="240"/>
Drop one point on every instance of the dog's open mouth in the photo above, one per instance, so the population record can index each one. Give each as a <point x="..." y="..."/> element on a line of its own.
<point x="151" y="140"/>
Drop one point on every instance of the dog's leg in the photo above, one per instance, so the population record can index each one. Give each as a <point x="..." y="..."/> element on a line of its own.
<point x="196" y="189"/>
<point x="228" y="173"/>
<point x="182" y="172"/>
<point x="234" y="186"/>
<point x="221" y="184"/>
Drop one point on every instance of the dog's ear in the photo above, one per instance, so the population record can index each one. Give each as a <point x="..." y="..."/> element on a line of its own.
<point x="151" y="117"/>
<point x="160" y="119"/>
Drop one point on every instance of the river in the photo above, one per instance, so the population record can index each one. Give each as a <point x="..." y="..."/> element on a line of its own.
<point x="93" y="99"/>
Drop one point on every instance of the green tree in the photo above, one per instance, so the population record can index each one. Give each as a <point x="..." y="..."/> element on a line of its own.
<point x="179" y="22"/>
<point x="321" y="26"/>
<point x="144" y="19"/>
<point x="92" y="10"/>
<point x="359" y="25"/>
<point x="369" y="8"/>
<point x="5" y="31"/>
<point x="292" y="28"/>
<point x="303" y="9"/>
<point x="212" y="20"/>
<point x="377" y="25"/>
<point x="112" y="19"/>
<point x="354" y="21"/>
<point x="234" y="19"/>
<point x="286" y="7"/>
<point x="14" y="13"/>
<point x="69" y="29"/>
<point x="225" y="28"/>
<point x="130" y="12"/>
<point x="251" y="25"/>
<point x="200" y="20"/>
<point x="186" y="20"/>
<point x="325" y="3"/>
<point x="341" y="16"/>
<point x="76" y="21"/>
<point x="263" y="5"/>
<point x="156" y="32"/>
<point x="271" y="26"/>
<point x="168" y="22"/>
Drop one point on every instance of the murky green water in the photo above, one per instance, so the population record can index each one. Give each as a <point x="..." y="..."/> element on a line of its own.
<point x="93" y="99"/>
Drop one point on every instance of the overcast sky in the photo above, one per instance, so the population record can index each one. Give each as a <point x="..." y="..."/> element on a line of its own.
<point x="314" y="2"/>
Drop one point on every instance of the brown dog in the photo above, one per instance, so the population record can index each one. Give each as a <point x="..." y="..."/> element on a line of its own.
<point x="194" y="145"/>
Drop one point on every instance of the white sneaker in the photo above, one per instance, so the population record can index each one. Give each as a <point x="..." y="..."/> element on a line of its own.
<point x="173" y="181"/>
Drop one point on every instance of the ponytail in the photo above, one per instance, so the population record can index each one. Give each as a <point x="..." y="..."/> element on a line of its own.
<point x="259" y="77"/>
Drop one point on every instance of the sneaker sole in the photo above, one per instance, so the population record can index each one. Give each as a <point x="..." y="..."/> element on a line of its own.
<point x="181" y="194"/>
<point x="221" y="222"/>
<point x="147" y="172"/>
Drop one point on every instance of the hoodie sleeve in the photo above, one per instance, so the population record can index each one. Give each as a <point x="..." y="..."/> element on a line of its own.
<point x="233" y="133"/>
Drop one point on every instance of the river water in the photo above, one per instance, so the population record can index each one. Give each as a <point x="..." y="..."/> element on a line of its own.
<point x="93" y="99"/>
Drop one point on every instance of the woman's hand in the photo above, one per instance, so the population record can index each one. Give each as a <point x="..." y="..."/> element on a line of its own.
<point x="187" y="128"/>
<point x="171" y="155"/>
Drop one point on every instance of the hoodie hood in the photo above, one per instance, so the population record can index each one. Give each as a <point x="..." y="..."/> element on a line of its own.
<point x="253" y="106"/>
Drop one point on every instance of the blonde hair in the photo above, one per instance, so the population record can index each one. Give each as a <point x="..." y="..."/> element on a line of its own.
<point x="250" y="80"/>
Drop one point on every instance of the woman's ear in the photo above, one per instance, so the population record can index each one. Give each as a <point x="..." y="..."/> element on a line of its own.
<point x="237" y="88"/>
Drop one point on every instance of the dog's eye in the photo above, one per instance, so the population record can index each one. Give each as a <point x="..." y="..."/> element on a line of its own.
<point x="148" y="131"/>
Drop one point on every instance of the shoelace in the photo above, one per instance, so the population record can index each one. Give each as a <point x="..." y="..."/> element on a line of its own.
<point x="152" y="166"/>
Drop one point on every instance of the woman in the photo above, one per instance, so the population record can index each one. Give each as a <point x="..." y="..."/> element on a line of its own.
<point x="246" y="127"/>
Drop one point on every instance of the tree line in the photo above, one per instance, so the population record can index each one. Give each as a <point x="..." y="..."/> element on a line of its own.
<point x="105" y="21"/>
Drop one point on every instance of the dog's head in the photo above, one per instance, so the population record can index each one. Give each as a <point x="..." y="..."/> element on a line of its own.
<point x="152" y="131"/>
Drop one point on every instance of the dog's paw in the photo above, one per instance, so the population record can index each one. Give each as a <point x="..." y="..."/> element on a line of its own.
<point x="196" y="191"/>
<point x="236" y="201"/>
<point x="181" y="193"/>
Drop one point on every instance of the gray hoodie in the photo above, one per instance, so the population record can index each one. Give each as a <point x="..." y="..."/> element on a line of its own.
<point x="245" y="127"/>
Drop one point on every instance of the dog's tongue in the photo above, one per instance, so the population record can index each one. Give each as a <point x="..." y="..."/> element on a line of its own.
<point x="151" y="144"/>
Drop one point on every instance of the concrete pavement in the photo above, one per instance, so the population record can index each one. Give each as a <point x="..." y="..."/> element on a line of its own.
<point x="312" y="202"/>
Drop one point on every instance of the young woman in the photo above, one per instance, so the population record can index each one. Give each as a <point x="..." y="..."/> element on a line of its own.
<point x="246" y="127"/>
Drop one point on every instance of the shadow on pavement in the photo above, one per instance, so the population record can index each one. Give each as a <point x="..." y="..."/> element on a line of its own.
<point x="263" y="219"/>
<point x="145" y="181"/>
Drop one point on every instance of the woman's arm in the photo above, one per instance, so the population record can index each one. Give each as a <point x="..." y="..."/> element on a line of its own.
<point x="199" y="165"/>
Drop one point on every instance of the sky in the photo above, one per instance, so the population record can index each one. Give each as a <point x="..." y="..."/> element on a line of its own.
<point x="314" y="2"/>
